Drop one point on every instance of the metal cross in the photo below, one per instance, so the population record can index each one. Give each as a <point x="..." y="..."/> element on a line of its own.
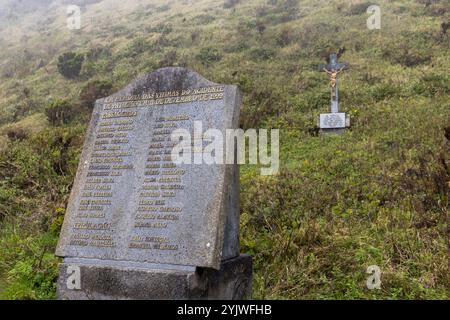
<point x="333" y="69"/>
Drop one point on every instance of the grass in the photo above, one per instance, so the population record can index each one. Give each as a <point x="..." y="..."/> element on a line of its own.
<point x="376" y="195"/>
<point x="344" y="203"/>
<point x="31" y="124"/>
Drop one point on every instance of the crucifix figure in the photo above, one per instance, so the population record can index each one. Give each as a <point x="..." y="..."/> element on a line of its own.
<point x="333" y="69"/>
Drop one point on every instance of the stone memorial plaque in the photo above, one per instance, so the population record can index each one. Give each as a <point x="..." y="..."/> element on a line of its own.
<point x="332" y="120"/>
<point x="130" y="202"/>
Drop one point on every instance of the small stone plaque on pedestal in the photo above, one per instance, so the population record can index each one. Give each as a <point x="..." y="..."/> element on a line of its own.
<point x="140" y="226"/>
<point x="333" y="120"/>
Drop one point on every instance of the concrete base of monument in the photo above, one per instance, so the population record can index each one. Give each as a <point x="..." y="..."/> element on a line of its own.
<point x="101" y="282"/>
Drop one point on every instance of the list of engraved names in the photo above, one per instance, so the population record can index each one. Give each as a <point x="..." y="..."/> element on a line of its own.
<point x="132" y="145"/>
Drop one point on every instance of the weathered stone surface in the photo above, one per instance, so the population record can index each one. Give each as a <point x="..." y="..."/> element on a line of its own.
<point x="334" y="123"/>
<point x="332" y="120"/>
<point x="129" y="203"/>
<point x="233" y="281"/>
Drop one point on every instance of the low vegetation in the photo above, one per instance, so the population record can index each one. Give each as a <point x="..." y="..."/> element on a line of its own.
<point x="69" y="64"/>
<point x="379" y="194"/>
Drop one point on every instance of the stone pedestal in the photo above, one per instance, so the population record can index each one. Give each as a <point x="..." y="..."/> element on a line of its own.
<point x="114" y="282"/>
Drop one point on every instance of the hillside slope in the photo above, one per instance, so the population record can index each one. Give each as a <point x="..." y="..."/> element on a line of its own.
<point x="376" y="195"/>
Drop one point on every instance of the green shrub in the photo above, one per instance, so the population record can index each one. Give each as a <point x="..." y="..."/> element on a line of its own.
<point x="98" y="52"/>
<point x="262" y="53"/>
<point x="285" y="37"/>
<point x="169" y="59"/>
<point x="93" y="91"/>
<point x="383" y="91"/>
<point x="16" y="134"/>
<point x="98" y="61"/>
<point x="261" y="103"/>
<point x="410" y="49"/>
<point x="137" y="47"/>
<point x="203" y="19"/>
<point x="438" y="8"/>
<point x="60" y="112"/>
<point x="28" y="264"/>
<point x="57" y="222"/>
<point x="408" y="58"/>
<point x="317" y="100"/>
<point x="230" y="3"/>
<point x="433" y="85"/>
<point x="209" y="55"/>
<point x="358" y="8"/>
<point x="163" y="28"/>
<point x="69" y="64"/>
<point x="239" y="46"/>
<point x="279" y="11"/>
<point x="283" y="11"/>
